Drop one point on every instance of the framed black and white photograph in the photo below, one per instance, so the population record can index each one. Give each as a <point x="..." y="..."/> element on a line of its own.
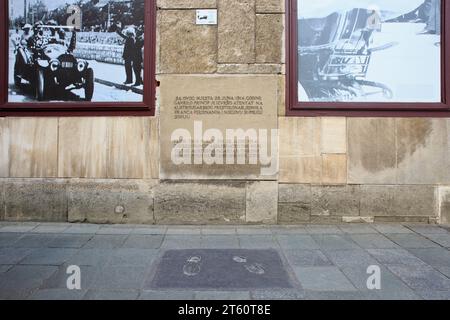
<point x="80" y="51"/>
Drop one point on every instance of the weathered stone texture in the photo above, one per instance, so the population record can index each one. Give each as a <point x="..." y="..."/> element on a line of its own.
<point x="334" y="135"/>
<point x="185" y="47"/>
<point x="237" y="24"/>
<point x="270" y="6"/>
<point x="444" y="205"/>
<point x="33" y="147"/>
<point x="111" y="201"/>
<point x="294" y="203"/>
<point x="335" y="201"/>
<point x="35" y="200"/>
<point x="281" y="96"/>
<point x="269" y="38"/>
<point x="200" y="202"/>
<point x="371" y="151"/>
<point x="183" y="4"/>
<point x="334" y="169"/>
<point x="262" y="202"/>
<point x="4" y="148"/>
<point x="83" y="146"/>
<point x="249" y="68"/>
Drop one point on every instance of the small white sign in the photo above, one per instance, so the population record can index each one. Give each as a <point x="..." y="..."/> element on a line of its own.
<point x="207" y="17"/>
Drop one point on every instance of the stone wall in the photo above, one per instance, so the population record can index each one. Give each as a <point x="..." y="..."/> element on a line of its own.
<point x="331" y="170"/>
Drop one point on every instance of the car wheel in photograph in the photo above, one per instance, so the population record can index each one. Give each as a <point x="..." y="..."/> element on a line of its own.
<point x="40" y="85"/>
<point x="89" y="85"/>
<point x="17" y="79"/>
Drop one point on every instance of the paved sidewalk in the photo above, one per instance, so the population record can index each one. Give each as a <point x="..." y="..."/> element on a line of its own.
<point x="321" y="262"/>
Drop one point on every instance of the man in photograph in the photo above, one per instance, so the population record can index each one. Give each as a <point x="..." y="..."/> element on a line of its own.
<point x="129" y="51"/>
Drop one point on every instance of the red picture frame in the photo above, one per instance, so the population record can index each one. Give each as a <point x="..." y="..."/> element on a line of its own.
<point x="362" y="109"/>
<point x="145" y="108"/>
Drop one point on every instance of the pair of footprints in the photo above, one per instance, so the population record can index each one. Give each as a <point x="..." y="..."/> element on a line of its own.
<point x="193" y="266"/>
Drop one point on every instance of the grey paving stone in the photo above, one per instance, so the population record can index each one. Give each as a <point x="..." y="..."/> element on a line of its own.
<point x="157" y="230"/>
<point x="427" y="229"/>
<point x="323" y="229"/>
<point x="391" y="228"/>
<point x="305" y="242"/>
<point x="289" y="229"/>
<point x="342" y="258"/>
<point x="278" y="294"/>
<point x="143" y="241"/>
<point x="49" y="256"/>
<point x="181" y="242"/>
<point x="219" y="242"/>
<point x="439" y="238"/>
<point x="396" y="257"/>
<point x="70" y="240"/>
<point x="120" y="277"/>
<point x="411" y="241"/>
<point x="106" y="241"/>
<point x="19" y="228"/>
<point x="20" y="281"/>
<point x="323" y="279"/>
<point x="59" y="279"/>
<point x="133" y="257"/>
<point x="445" y="270"/>
<point x="13" y="255"/>
<point x="214" y="231"/>
<point x="307" y="258"/>
<point x="82" y="229"/>
<point x="91" y="257"/>
<point x="434" y="295"/>
<point x="57" y="294"/>
<point x="373" y="241"/>
<point x="421" y="277"/>
<point x="253" y="231"/>
<point x="436" y="257"/>
<point x="398" y="295"/>
<point x="258" y="242"/>
<point x="166" y="295"/>
<point x="183" y="231"/>
<point x="111" y="295"/>
<point x="339" y="295"/>
<point x="334" y="242"/>
<point x="5" y="268"/>
<point x="222" y="295"/>
<point x="114" y="230"/>
<point x="50" y="228"/>
<point x="9" y="238"/>
<point x="34" y="240"/>
<point x="358" y="229"/>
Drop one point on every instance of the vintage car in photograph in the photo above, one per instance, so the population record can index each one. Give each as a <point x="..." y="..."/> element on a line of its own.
<point x="53" y="71"/>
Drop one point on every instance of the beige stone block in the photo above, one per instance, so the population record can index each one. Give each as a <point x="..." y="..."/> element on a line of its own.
<point x="303" y="169"/>
<point x="4" y="148"/>
<point x="269" y="38"/>
<point x="358" y="219"/>
<point x="236" y="36"/>
<point x="133" y="148"/>
<point x="335" y="201"/>
<point x="262" y="202"/>
<point x="371" y="151"/>
<point x="183" y="4"/>
<point x="208" y="202"/>
<point x="83" y="147"/>
<point x="185" y="47"/>
<point x="294" y="213"/>
<point x="334" y="135"/>
<point x="422" y="151"/>
<point x="111" y="201"/>
<point x="33" y="147"/>
<point x="334" y="168"/>
<point x="299" y="136"/>
<point x="281" y="96"/>
<point x="270" y="6"/>
<point x="249" y="68"/>
<point x="444" y="205"/>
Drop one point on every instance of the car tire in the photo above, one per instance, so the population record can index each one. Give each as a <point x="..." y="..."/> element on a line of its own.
<point x="89" y="85"/>
<point x="17" y="79"/>
<point x="40" y="85"/>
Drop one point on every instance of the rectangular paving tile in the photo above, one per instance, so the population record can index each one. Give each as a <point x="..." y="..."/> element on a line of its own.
<point x="34" y="240"/>
<point x="49" y="256"/>
<point x="91" y="257"/>
<point x="220" y="269"/>
<point x="219" y="242"/>
<point x="441" y="239"/>
<point x="436" y="257"/>
<point x="57" y="294"/>
<point x="115" y="295"/>
<point x="289" y="230"/>
<point x="307" y="258"/>
<point x="100" y="241"/>
<point x="167" y="295"/>
<point x="373" y="241"/>
<point x="323" y="279"/>
<point x="13" y="255"/>
<point x="70" y="240"/>
<point x="396" y="257"/>
<point x="50" y="228"/>
<point x="120" y="277"/>
<point x="258" y="242"/>
<point x="7" y="239"/>
<point x="5" y="268"/>
<point x="411" y="241"/>
<point x="301" y="242"/>
<point x="342" y="258"/>
<point x="215" y="231"/>
<point x="157" y="230"/>
<point x="391" y="228"/>
<point x="83" y="229"/>
<point x="334" y="242"/>
<point x="421" y="277"/>
<point x="358" y="229"/>
<point x="253" y="231"/>
<point x="427" y="229"/>
<point x="222" y="295"/>
<point x="434" y="295"/>
<point x="181" y="242"/>
<point x="19" y="228"/>
<point x="183" y="230"/>
<point x="143" y="241"/>
<point x="323" y="229"/>
<point x="133" y="257"/>
<point x="114" y="230"/>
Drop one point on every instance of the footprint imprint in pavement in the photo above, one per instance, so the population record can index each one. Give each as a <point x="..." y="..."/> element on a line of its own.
<point x="192" y="266"/>
<point x="255" y="268"/>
